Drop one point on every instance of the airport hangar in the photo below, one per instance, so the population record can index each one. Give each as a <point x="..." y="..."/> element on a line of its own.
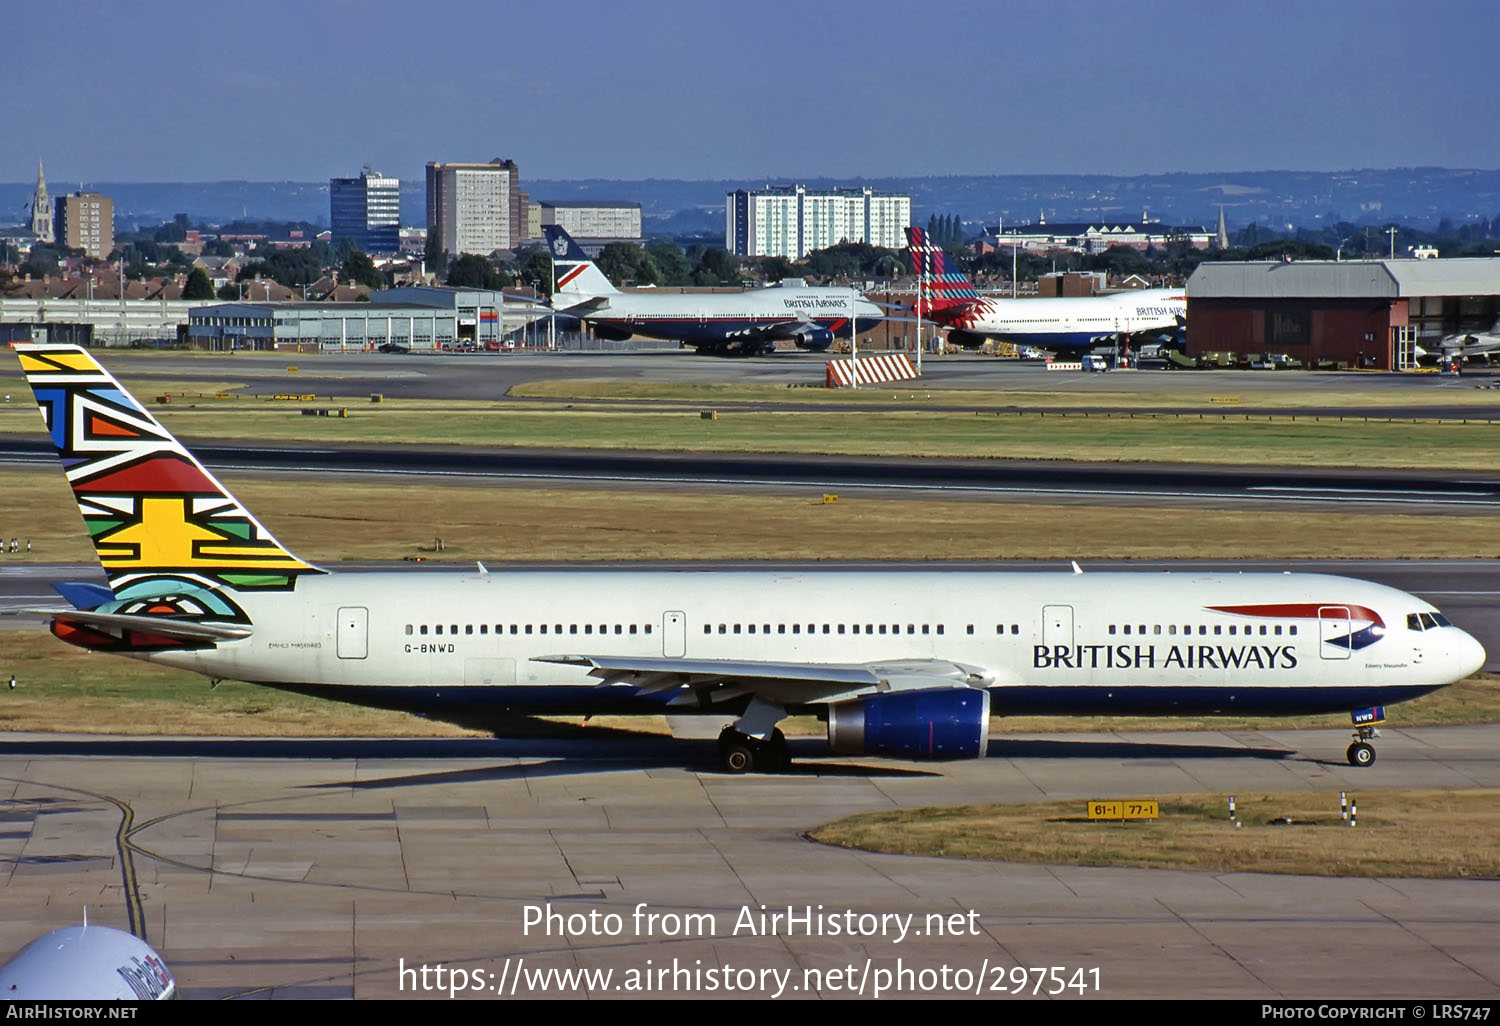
<point x="416" y="317"/>
<point x="1371" y="314"/>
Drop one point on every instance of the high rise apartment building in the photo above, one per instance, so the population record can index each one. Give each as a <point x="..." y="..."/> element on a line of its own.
<point x="595" y="219"/>
<point x="477" y="208"/>
<point x="791" y="221"/>
<point x="86" y="221"/>
<point x="366" y="209"/>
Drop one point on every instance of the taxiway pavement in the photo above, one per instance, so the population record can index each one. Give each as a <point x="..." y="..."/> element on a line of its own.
<point x="323" y="868"/>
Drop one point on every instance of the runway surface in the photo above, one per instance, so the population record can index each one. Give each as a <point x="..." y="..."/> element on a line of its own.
<point x="483" y="376"/>
<point x="321" y="869"/>
<point x="945" y="478"/>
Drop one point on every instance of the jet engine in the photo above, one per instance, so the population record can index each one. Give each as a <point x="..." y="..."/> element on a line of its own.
<point x="611" y="333"/>
<point x="814" y="338"/>
<point x="965" y="339"/>
<point x="931" y="723"/>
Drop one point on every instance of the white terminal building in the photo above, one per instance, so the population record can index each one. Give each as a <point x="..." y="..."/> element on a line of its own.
<point x="791" y="221"/>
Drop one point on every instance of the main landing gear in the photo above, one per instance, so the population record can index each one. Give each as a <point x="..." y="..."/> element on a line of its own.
<point x="741" y="753"/>
<point x="1361" y="752"/>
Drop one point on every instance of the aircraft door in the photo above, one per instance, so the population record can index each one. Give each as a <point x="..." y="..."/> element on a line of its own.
<point x="674" y="634"/>
<point x="354" y="629"/>
<point x="1057" y="625"/>
<point x="1334" y="631"/>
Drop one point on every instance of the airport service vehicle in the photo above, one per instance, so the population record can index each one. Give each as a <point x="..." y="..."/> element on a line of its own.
<point x="87" y="963"/>
<point x="1061" y="325"/>
<point x="902" y="663"/>
<point x="728" y="324"/>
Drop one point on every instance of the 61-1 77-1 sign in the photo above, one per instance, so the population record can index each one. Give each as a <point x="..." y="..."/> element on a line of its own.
<point x="1134" y="808"/>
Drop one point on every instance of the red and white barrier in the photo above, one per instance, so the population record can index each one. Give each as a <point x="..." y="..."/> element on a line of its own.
<point x="870" y="370"/>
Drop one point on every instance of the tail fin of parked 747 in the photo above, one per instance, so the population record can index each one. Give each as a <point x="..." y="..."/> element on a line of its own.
<point x="575" y="274"/>
<point x="944" y="287"/>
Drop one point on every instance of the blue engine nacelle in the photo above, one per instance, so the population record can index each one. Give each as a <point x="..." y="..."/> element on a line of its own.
<point x="934" y="723"/>
<point x="813" y="338"/>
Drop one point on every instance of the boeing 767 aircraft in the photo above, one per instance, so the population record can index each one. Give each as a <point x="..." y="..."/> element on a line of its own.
<point x="909" y="664"/>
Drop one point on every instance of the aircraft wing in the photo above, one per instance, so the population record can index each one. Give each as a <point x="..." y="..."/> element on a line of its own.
<point x="184" y="630"/>
<point x="781" y="327"/>
<point x="1472" y="344"/>
<point x="705" y="682"/>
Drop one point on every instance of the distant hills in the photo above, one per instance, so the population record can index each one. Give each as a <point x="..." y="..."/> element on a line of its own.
<point x="1419" y="197"/>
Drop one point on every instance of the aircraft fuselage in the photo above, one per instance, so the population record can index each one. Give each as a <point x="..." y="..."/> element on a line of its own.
<point x="1041" y="642"/>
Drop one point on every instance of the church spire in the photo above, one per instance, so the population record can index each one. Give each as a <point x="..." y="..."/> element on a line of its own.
<point x="1222" y="238"/>
<point x="41" y="208"/>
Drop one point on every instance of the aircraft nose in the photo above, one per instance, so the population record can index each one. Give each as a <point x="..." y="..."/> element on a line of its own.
<point x="1468" y="654"/>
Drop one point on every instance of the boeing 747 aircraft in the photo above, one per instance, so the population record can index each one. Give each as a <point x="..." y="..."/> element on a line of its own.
<point x="730" y="324"/>
<point x="909" y="664"/>
<point x="1077" y="325"/>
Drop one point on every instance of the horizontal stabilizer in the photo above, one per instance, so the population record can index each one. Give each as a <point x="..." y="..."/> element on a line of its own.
<point x="589" y="306"/>
<point x="187" y="630"/>
<point x="83" y="594"/>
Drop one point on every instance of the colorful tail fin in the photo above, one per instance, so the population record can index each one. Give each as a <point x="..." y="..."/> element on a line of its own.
<point x="171" y="538"/>
<point x="574" y="273"/>
<point x="944" y="287"/>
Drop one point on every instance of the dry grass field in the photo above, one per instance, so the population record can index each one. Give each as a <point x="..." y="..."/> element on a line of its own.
<point x="1397" y="833"/>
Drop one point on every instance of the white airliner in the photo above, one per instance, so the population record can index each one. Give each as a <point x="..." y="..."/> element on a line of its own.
<point x="739" y="324"/>
<point x="86" y="963"/>
<point x="1473" y="343"/>
<point x="901" y="663"/>
<point x="1060" y="325"/>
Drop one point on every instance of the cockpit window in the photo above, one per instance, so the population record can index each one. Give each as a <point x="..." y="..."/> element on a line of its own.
<point x="1426" y="621"/>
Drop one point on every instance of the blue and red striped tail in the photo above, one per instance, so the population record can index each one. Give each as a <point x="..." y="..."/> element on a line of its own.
<point x="943" y="285"/>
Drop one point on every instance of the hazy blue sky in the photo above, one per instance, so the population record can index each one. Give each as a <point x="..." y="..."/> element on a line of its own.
<point x="151" y="90"/>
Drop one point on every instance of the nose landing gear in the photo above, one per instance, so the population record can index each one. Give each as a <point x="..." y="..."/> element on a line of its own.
<point x="1361" y="752"/>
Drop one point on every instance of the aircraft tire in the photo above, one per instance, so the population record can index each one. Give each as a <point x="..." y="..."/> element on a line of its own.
<point x="741" y="754"/>
<point x="1361" y="754"/>
<point x="736" y="757"/>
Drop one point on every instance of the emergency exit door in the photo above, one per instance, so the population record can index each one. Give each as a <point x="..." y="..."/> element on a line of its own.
<point x="354" y="630"/>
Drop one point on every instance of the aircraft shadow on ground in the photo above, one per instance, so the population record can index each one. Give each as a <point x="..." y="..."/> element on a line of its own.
<point x="543" y="757"/>
<point x="612" y="752"/>
<point x="1113" y="748"/>
<point x="567" y="759"/>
